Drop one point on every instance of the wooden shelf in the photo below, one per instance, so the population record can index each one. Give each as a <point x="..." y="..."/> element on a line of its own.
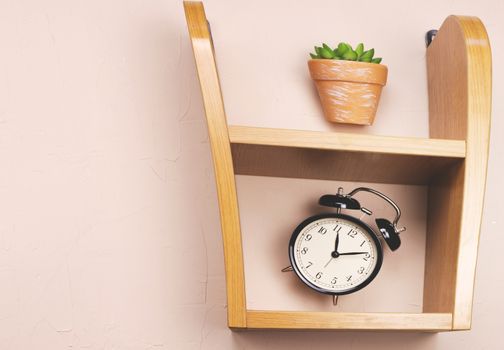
<point x="347" y="142"/>
<point x="349" y="321"/>
<point x="452" y="163"/>
<point x="338" y="156"/>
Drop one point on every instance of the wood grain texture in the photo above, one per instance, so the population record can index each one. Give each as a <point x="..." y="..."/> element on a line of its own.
<point x="223" y="164"/>
<point x="308" y="163"/>
<point x="443" y="235"/>
<point x="459" y="76"/>
<point x="349" y="321"/>
<point x="347" y="142"/>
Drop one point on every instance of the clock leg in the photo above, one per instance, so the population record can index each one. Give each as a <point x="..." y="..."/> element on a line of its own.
<point x="287" y="269"/>
<point x="335" y="300"/>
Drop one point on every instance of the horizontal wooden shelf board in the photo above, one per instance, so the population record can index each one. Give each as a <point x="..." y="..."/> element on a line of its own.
<point x="349" y="321"/>
<point x="347" y="142"/>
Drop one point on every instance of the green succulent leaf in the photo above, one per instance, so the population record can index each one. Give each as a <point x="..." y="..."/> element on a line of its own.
<point x="365" y="59"/>
<point x="327" y="53"/>
<point x="350" y="55"/>
<point x="359" y="49"/>
<point x="325" y="46"/>
<point x="314" y="56"/>
<point x="367" y="55"/>
<point x="317" y="50"/>
<point x="342" y="48"/>
<point x="376" y="60"/>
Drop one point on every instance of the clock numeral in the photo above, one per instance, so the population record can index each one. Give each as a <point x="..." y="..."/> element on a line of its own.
<point x="318" y="275"/>
<point x="366" y="257"/>
<point x="309" y="264"/>
<point x="334" y="280"/>
<point x="348" y="278"/>
<point x="304" y="250"/>
<point x="308" y="237"/>
<point x="352" y="233"/>
<point x="337" y="228"/>
<point x="360" y="270"/>
<point x="322" y="230"/>
<point x="362" y="243"/>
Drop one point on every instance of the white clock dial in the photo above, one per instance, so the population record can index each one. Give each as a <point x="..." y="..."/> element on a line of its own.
<point x="335" y="254"/>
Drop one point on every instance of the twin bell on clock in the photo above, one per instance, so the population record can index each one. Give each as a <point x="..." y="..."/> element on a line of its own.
<point x="335" y="253"/>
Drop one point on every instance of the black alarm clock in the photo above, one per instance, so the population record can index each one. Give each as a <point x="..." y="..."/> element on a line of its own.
<point x="338" y="254"/>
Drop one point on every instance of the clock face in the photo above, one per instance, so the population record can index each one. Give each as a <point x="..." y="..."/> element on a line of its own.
<point x="335" y="253"/>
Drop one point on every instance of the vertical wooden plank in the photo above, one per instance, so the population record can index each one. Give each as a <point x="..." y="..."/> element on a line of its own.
<point x="223" y="164"/>
<point x="443" y="233"/>
<point x="479" y="85"/>
<point x="446" y="62"/>
<point x="459" y="74"/>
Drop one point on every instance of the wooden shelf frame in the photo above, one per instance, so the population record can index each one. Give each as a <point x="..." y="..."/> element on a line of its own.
<point x="452" y="162"/>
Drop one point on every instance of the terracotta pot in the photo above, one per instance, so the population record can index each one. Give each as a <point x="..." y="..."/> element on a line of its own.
<point x="349" y="90"/>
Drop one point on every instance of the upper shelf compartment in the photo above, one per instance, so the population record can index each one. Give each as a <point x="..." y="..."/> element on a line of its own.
<point x="339" y="156"/>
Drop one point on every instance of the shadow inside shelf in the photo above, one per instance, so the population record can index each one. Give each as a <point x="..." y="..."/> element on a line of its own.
<point x="296" y="162"/>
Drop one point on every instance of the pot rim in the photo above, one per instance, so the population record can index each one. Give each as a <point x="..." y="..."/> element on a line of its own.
<point x="351" y="71"/>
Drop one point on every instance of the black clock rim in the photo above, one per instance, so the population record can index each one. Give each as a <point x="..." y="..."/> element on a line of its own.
<point x="299" y="228"/>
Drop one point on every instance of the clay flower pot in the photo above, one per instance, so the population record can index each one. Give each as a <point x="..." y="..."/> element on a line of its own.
<point x="349" y="90"/>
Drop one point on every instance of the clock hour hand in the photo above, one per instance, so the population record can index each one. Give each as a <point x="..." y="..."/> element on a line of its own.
<point x="335" y="253"/>
<point x="353" y="253"/>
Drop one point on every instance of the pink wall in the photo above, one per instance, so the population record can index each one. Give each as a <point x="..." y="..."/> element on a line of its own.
<point x="109" y="231"/>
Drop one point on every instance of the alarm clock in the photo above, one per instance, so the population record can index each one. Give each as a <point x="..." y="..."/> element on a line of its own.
<point x="338" y="254"/>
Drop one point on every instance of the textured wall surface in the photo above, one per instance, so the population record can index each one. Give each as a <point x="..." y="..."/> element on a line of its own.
<point x="109" y="230"/>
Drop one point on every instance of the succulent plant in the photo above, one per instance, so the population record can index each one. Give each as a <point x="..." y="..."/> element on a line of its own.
<point x="344" y="51"/>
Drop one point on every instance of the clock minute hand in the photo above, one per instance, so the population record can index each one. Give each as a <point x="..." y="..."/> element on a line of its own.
<point x="353" y="253"/>
<point x="336" y="243"/>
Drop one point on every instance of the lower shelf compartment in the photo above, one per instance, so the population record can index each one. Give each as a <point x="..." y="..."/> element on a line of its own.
<point x="434" y="322"/>
<point x="271" y="208"/>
